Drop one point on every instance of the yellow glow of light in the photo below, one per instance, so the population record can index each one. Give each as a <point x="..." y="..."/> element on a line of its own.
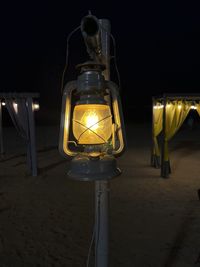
<point x="168" y="105"/>
<point x="92" y="123"/>
<point x="158" y="106"/>
<point x="179" y="106"/>
<point x="193" y="107"/>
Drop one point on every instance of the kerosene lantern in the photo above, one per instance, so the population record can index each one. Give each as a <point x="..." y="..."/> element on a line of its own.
<point x="92" y="129"/>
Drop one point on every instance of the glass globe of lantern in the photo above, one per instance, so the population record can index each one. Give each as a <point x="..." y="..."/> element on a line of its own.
<point x="92" y="124"/>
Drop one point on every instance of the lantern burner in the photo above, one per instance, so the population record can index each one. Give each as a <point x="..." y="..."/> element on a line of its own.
<point x="84" y="168"/>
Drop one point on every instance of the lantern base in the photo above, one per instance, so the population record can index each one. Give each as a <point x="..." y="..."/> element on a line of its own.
<point x="83" y="168"/>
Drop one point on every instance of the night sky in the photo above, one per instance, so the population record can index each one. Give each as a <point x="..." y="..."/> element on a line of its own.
<point x="157" y="47"/>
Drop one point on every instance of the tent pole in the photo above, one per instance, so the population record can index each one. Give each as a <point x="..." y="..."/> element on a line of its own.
<point x="32" y="142"/>
<point x="163" y="138"/>
<point x="152" y="134"/>
<point x="1" y="131"/>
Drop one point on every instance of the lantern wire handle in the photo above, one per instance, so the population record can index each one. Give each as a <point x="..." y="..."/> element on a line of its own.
<point x="67" y="56"/>
<point x="115" y="61"/>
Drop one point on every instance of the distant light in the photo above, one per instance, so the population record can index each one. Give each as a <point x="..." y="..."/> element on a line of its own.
<point x="3" y="103"/>
<point x="179" y="106"/>
<point x="36" y="106"/>
<point x="168" y="105"/>
<point x="158" y="106"/>
<point x="193" y="107"/>
<point x="15" y="106"/>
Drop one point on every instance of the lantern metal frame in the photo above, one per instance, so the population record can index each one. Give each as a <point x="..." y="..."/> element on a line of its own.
<point x="92" y="87"/>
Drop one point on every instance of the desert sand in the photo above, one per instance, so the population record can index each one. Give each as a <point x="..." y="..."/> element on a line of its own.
<point x="48" y="220"/>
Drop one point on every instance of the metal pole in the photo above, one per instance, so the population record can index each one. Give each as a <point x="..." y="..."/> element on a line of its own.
<point x="102" y="223"/>
<point x="1" y="131"/>
<point x="152" y="133"/>
<point x="32" y="143"/>
<point x="163" y="138"/>
<point x="102" y="187"/>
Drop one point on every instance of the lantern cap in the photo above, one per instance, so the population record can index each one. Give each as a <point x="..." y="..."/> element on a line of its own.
<point x="90" y="66"/>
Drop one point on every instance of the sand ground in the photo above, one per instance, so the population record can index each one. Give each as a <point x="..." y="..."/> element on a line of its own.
<point x="48" y="220"/>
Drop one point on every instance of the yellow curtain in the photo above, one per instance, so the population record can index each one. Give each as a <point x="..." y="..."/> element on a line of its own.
<point x="176" y="113"/>
<point x="157" y="126"/>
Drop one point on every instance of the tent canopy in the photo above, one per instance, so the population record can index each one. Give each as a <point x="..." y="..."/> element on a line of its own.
<point x="21" y="108"/>
<point x="168" y="114"/>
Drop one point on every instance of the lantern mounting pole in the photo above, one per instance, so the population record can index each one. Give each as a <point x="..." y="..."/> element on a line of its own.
<point x="94" y="159"/>
<point x="102" y="188"/>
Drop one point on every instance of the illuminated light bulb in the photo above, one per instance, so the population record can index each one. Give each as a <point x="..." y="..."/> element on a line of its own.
<point x="36" y="106"/>
<point x="158" y="106"/>
<point x="179" y="106"/>
<point x="168" y="105"/>
<point x="3" y="103"/>
<point x="193" y="107"/>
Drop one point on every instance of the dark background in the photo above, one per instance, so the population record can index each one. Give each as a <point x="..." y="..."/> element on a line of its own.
<point x="157" y="49"/>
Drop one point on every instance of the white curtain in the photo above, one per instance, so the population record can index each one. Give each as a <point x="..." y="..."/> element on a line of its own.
<point x="19" y="115"/>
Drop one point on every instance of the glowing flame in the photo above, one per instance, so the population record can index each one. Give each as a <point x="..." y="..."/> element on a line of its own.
<point x="91" y="121"/>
